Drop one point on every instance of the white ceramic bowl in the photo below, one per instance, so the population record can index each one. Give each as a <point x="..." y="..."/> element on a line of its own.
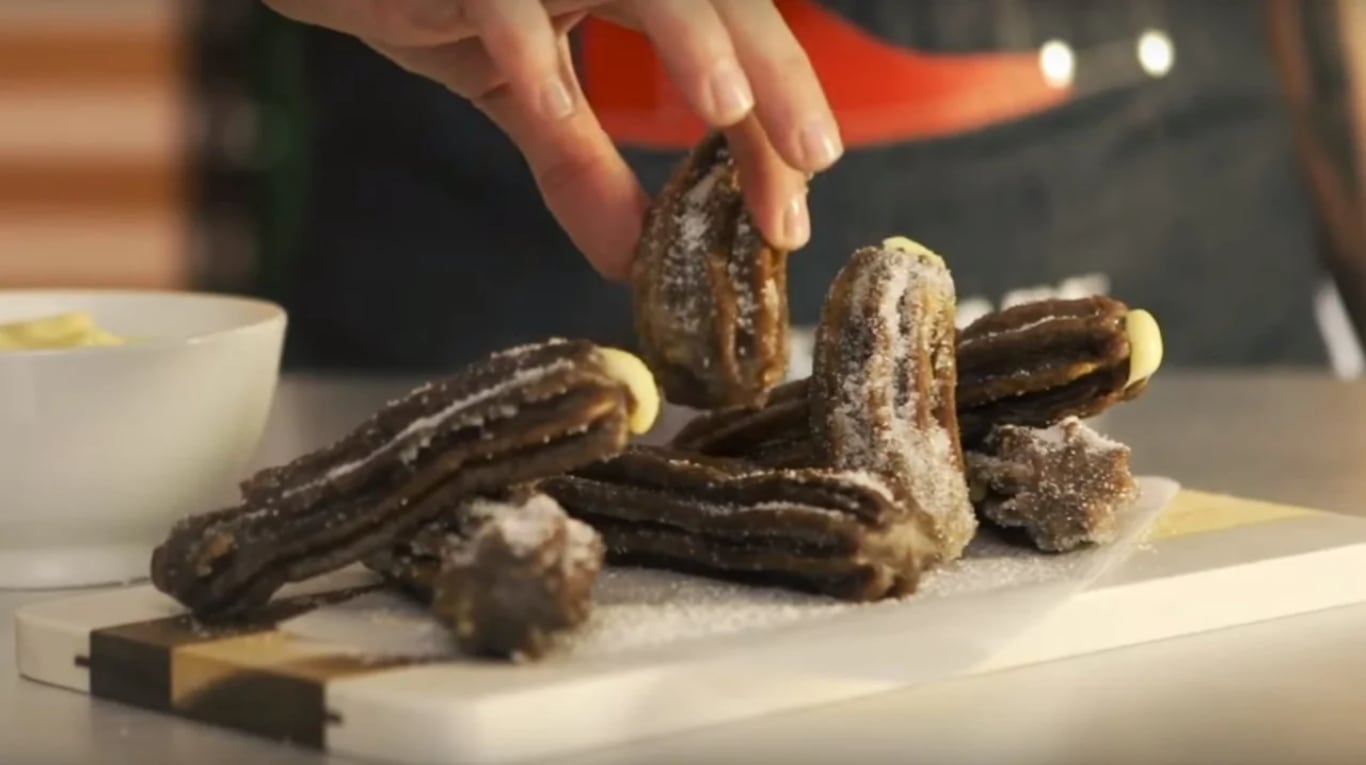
<point x="101" y="449"/>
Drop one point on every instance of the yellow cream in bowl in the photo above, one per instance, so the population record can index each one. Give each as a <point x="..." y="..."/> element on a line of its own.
<point x="68" y="330"/>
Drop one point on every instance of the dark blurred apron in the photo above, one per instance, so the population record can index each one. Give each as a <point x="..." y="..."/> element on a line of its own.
<point x="1159" y="166"/>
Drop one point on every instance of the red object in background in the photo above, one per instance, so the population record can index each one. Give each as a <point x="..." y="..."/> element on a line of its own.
<point x="881" y="93"/>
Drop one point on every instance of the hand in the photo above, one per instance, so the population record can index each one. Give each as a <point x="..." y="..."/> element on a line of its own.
<point x="736" y="60"/>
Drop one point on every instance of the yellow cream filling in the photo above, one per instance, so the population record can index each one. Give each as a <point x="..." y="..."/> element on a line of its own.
<point x="640" y="383"/>
<point x="68" y="330"/>
<point x="1145" y="345"/>
<point x="910" y="247"/>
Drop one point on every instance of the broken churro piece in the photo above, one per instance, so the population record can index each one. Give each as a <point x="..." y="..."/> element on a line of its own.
<point x="1062" y="485"/>
<point x="506" y="576"/>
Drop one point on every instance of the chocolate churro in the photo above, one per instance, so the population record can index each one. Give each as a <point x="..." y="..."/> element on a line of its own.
<point x="517" y="415"/>
<point x="710" y="293"/>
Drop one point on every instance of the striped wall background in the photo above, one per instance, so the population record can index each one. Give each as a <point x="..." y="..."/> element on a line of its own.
<point x="104" y="102"/>
<point x="1353" y="16"/>
<point x="93" y="130"/>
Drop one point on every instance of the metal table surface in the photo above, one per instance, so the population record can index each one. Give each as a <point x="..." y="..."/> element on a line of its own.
<point x="1291" y="690"/>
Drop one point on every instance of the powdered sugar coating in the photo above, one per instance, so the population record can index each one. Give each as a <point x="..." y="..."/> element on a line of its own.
<point x="639" y="610"/>
<point x="819" y="529"/>
<point x="415" y="436"/>
<point x="700" y="219"/>
<point x="1063" y="485"/>
<point x="685" y="276"/>
<point x="971" y="341"/>
<point x="584" y="546"/>
<point x="885" y="371"/>
<point x="709" y="291"/>
<point x="527" y="529"/>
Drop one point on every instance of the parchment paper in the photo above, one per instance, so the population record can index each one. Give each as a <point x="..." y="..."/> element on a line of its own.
<point x="961" y="617"/>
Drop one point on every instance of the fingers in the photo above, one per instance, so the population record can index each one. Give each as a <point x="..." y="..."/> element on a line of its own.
<point x="733" y="57"/>
<point x="563" y="7"/>
<point x="789" y="101"/>
<point x="584" y="180"/>
<point x="520" y="40"/>
<point x="463" y="67"/>
<point x="741" y="68"/>
<point x="774" y="192"/>
<point x="737" y="62"/>
<point x="586" y="184"/>
<point x="696" y="49"/>
<point x="393" y="22"/>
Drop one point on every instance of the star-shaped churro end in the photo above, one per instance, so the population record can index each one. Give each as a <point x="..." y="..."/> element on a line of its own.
<point x="1063" y="485"/>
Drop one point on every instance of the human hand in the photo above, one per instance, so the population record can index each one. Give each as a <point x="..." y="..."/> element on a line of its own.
<point x="736" y="61"/>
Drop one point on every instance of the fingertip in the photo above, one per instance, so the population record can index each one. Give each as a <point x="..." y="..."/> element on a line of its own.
<point x="727" y="96"/>
<point x="600" y="205"/>
<point x="790" y="102"/>
<point x="695" y="47"/>
<point x="612" y="252"/>
<point x="819" y="144"/>
<point x="781" y="214"/>
<point x="774" y="192"/>
<point x="795" y="225"/>
<point x="613" y="268"/>
<point x="522" y="40"/>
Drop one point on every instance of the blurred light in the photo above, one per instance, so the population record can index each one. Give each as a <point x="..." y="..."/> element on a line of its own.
<point x="1058" y="63"/>
<point x="1156" y="54"/>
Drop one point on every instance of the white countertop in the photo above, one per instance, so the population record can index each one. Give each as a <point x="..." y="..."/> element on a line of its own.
<point x="1292" y="690"/>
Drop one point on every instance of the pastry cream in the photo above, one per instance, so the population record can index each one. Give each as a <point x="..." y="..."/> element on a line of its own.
<point x="1145" y="345"/>
<point x="68" y="330"/>
<point x="632" y="372"/>
<point x="910" y="247"/>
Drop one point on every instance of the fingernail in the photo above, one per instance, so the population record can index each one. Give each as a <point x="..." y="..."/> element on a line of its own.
<point x="730" y="94"/>
<point x="557" y="102"/>
<point x="796" y="221"/>
<point x="820" y="144"/>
